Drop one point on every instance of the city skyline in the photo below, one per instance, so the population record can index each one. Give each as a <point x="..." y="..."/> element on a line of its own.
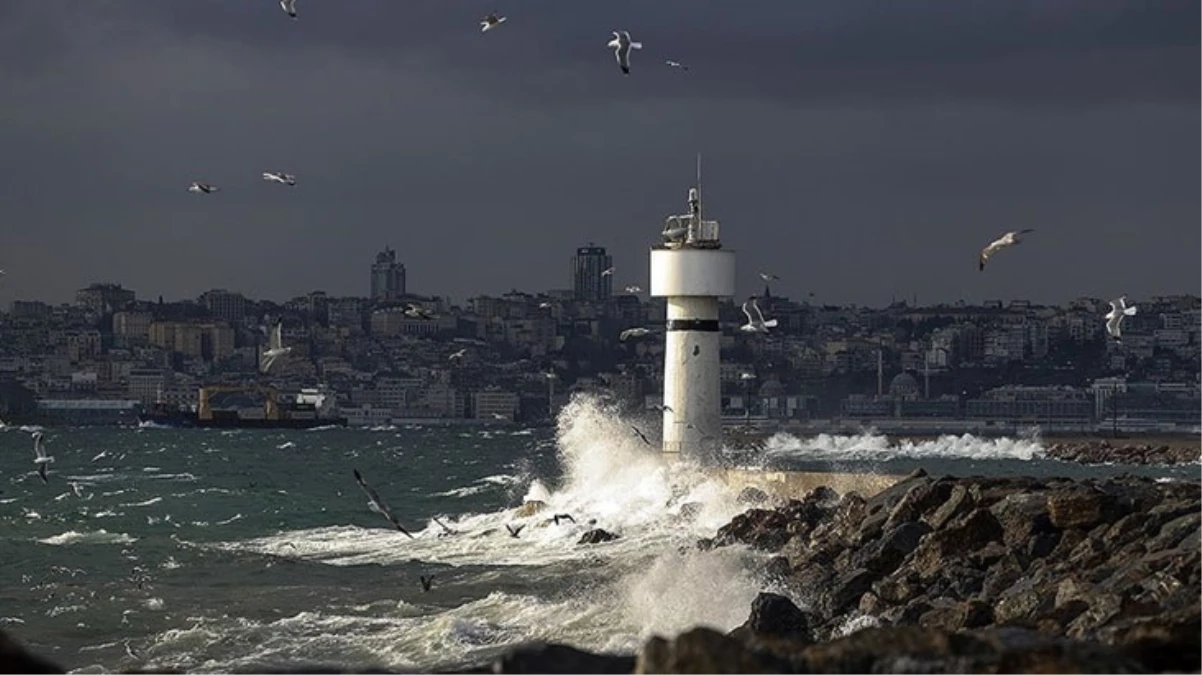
<point x="857" y="161"/>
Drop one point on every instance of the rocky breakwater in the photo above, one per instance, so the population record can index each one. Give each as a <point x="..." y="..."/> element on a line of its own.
<point x="1175" y="451"/>
<point x="1114" y="562"/>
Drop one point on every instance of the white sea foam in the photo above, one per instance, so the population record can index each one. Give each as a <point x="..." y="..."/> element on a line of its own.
<point x="97" y="537"/>
<point x="484" y="484"/>
<point x="148" y="502"/>
<point x="876" y="448"/>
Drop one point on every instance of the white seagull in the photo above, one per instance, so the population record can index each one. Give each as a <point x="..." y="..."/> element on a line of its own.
<point x="633" y="332"/>
<point x="1005" y="241"/>
<point x="1114" y="318"/>
<point x="198" y="187"/>
<point x="767" y="276"/>
<point x="755" y="323"/>
<point x="416" y="312"/>
<point x="677" y="64"/>
<point x="275" y="348"/>
<point x="279" y="177"/>
<point x="634" y="289"/>
<point x="490" y="22"/>
<point x="289" y="6"/>
<point x="457" y="355"/>
<point x="746" y="376"/>
<point x="607" y="272"/>
<point x="41" y="459"/>
<point x="622" y="45"/>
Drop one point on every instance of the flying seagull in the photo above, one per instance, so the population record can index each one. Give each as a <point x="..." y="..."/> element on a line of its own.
<point x="755" y="322"/>
<point x="608" y="272"/>
<point x="457" y="355"/>
<point x="41" y="459"/>
<point x="661" y="408"/>
<point x="1119" y="310"/>
<point x="275" y="348"/>
<point x="563" y="516"/>
<point x="378" y="505"/>
<point x="633" y="333"/>
<point x="514" y="531"/>
<point x="490" y="22"/>
<point x="677" y="64"/>
<point x="641" y="435"/>
<point x="767" y="276"/>
<point x="1005" y="241"/>
<point x="289" y="6"/>
<point x="279" y="177"/>
<point x="415" y="312"/>
<point x="426" y="582"/>
<point x="634" y="289"/>
<point x="622" y="45"/>
<point x="198" y="187"/>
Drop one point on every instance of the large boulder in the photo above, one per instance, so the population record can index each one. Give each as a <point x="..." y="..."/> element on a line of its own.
<point x="703" y="650"/>
<point x="1081" y="507"/>
<point x="758" y="528"/>
<point x="14" y="658"/>
<point x="885" y="554"/>
<point x="554" y="658"/>
<point x="596" y="536"/>
<point x="1022" y="516"/>
<point x="751" y="495"/>
<point x="776" y="616"/>
<point x="529" y="508"/>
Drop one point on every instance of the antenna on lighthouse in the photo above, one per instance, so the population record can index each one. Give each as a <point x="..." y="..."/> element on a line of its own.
<point x="698" y="186"/>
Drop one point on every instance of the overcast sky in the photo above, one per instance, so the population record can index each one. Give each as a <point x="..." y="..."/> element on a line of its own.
<point x="860" y="150"/>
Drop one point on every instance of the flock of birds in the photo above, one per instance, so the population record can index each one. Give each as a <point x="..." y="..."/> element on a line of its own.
<point x="377" y="504"/>
<point x="1119" y="309"/>
<point x="621" y="44"/>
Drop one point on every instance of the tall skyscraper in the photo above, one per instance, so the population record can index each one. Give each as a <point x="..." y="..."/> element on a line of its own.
<point x="387" y="276"/>
<point x="588" y="282"/>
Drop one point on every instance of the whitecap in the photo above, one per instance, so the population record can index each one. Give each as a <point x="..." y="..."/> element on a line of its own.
<point x="97" y="537"/>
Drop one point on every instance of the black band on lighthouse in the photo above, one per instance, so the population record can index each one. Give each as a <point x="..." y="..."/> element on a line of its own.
<point x="699" y="325"/>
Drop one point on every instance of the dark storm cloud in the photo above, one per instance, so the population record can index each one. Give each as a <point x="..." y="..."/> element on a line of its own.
<point x="839" y="137"/>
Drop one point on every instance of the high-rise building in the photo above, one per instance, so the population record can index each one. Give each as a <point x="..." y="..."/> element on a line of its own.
<point x="104" y="298"/>
<point x="224" y="304"/>
<point x="589" y="281"/>
<point x="387" y="276"/>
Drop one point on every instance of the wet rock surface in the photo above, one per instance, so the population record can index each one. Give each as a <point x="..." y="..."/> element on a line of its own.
<point x="596" y="536"/>
<point x="1119" y="452"/>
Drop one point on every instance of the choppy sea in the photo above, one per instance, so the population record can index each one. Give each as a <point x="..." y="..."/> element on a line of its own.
<point x="213" y="550"/>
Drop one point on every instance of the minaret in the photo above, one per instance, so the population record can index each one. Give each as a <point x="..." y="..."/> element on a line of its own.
<point x="692" y="272"/>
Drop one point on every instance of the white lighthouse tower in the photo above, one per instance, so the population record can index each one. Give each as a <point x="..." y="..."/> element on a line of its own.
<point x="692" y="271"/>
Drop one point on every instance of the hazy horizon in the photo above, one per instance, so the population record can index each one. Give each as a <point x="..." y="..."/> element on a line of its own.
<point x="862" y="152"/>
